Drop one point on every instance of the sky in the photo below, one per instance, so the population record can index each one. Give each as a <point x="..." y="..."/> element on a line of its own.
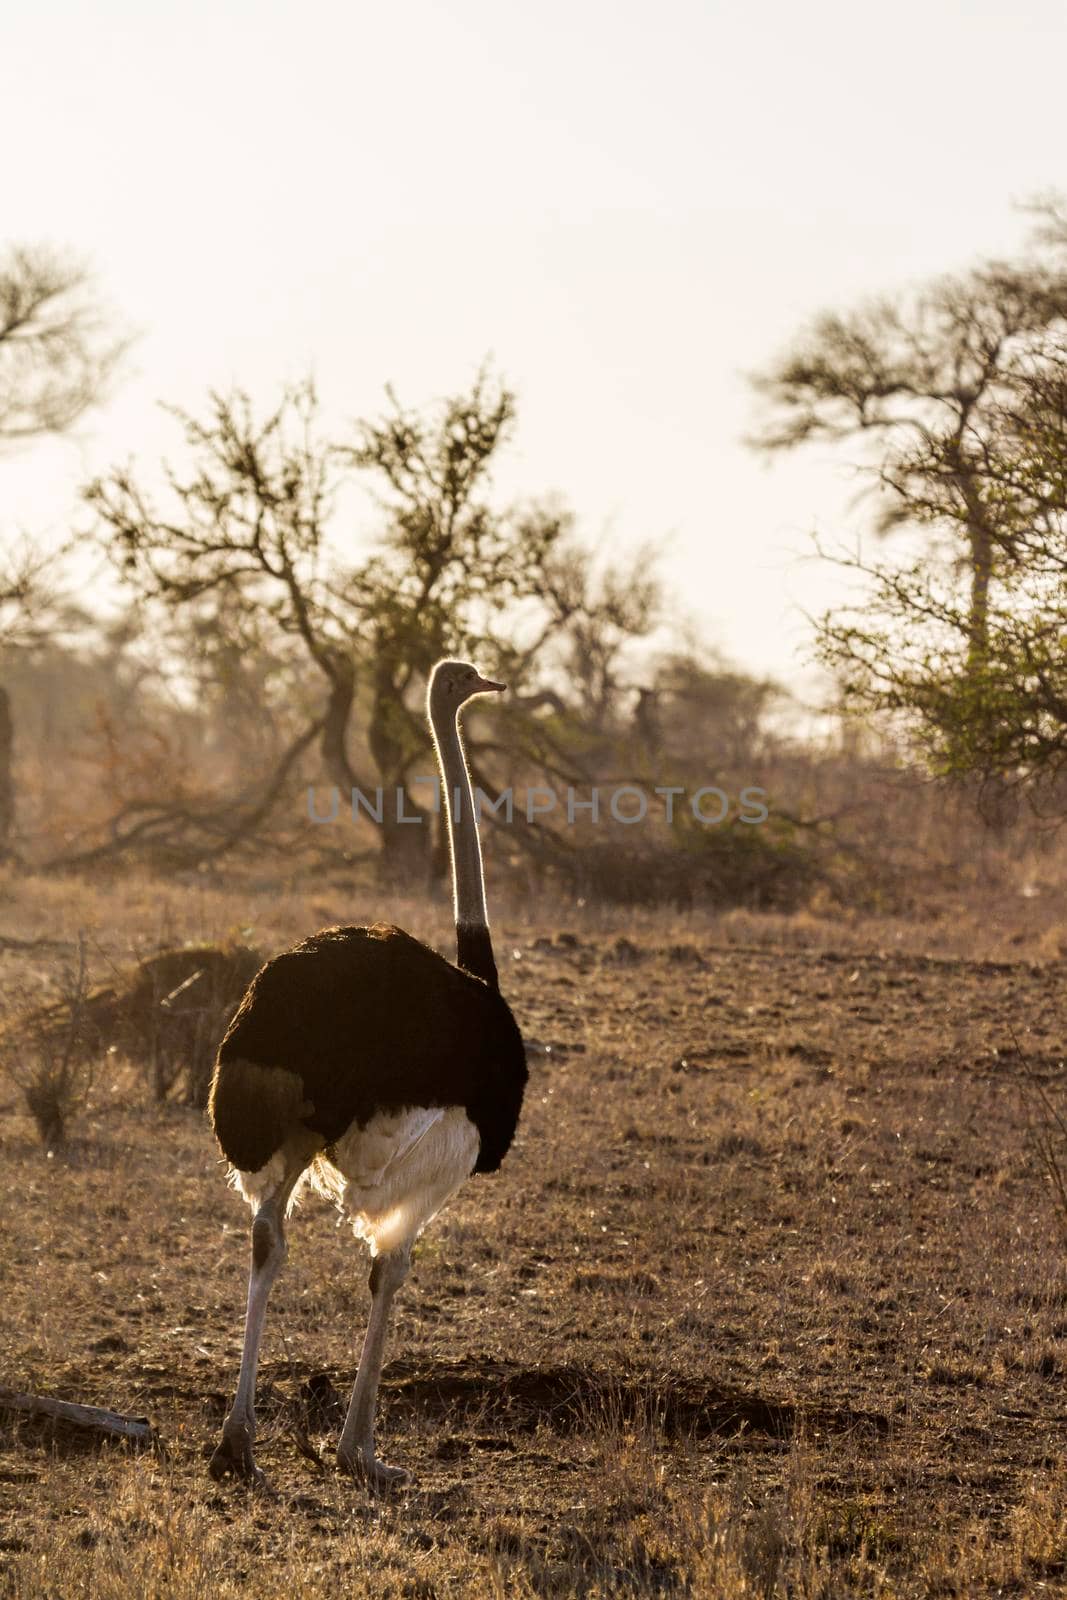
<point x="626" y="208"/>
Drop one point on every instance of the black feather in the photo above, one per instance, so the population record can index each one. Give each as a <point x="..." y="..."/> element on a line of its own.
<point x="369" y="1020"/>
<point x="474" y="952"/>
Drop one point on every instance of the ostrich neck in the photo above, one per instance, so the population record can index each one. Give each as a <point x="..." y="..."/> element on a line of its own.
<point x="474" y="949"/>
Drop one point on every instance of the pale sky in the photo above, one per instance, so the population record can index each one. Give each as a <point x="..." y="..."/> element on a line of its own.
<point x="627" y="207"/>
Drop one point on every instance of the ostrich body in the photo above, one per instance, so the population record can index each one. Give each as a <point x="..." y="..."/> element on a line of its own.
<point x="363" y="1062"/>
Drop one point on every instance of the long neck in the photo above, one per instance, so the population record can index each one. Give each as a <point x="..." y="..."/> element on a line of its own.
<point x="474" y="947"/>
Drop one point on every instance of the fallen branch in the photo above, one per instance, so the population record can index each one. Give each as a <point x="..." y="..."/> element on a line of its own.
<point x="192" y="833"/>
<point x="95" y="1418"/>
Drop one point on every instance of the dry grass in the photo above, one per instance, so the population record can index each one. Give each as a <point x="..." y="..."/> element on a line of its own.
<point x="769" y="1299"/>
<point x="51" y="1067"/>
<point x="164" y="1016"/>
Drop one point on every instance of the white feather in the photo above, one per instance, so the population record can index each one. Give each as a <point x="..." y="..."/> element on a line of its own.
<point x="388" y="1178"/>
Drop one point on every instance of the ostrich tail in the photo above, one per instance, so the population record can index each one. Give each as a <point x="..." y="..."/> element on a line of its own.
<point x="253" y="1110"/>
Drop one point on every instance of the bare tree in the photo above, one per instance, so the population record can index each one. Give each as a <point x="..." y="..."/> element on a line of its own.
<point x="242" y="550"/>
<point x="58" y="353"/>
<point x="961" y="389"/>
<point x="924" y="378"/>
<point x="242" y="543"/>
<point x="58" y="347"/>
<point x="32" y="610"/>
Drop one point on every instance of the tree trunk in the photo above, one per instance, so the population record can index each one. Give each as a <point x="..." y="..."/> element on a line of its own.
<point x="981" y="577"/>
<point x="407" y="844"/>
<point x="998" y="805"/>
<point x="7" y="780"/>
<point x="335" y="723"/>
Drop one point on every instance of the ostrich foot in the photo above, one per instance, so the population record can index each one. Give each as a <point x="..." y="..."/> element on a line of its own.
<point x="364" y="1464"/>
<point x="233" y="1458"/>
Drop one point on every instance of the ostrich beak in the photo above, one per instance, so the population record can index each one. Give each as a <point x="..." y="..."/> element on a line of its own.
<point x="487" y="686"/>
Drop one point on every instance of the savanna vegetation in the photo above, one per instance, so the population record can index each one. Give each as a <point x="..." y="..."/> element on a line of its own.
<point x="769" y="1298"/>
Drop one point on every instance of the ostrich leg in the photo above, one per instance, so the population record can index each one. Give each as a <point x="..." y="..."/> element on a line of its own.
<point x="355" y="1449"/>
<point x="234" y="1452"/>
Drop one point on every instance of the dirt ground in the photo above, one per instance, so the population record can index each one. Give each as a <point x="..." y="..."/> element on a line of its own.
<point x="769" y="1298"/>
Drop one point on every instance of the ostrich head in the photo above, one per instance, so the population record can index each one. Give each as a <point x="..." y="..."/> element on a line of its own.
<point x="454" y="682"/>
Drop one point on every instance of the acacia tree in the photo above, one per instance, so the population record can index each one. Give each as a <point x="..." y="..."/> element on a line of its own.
<point x="241" y="543"/>
<point x="58" y="353"/>
<point x="26" y="605"/>
<point x="924" y="380"/>
<point x="514" y="587"/>
<point x="1000" y="715"/>
<point x="242" y="548"/>
<point x="959" y="390"/>
<point x="58" y="348"/>
<point x="448" y="567"/>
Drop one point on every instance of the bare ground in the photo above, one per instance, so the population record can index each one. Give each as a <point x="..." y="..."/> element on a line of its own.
<point x="770" y="1297"/>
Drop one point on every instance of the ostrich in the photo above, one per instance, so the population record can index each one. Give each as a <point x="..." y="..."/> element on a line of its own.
<point x="363" y="1062"/>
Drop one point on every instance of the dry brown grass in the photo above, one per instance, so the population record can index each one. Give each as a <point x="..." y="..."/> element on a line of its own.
<point x="163" y="1016"/>
<point x="769" y="1299"/>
